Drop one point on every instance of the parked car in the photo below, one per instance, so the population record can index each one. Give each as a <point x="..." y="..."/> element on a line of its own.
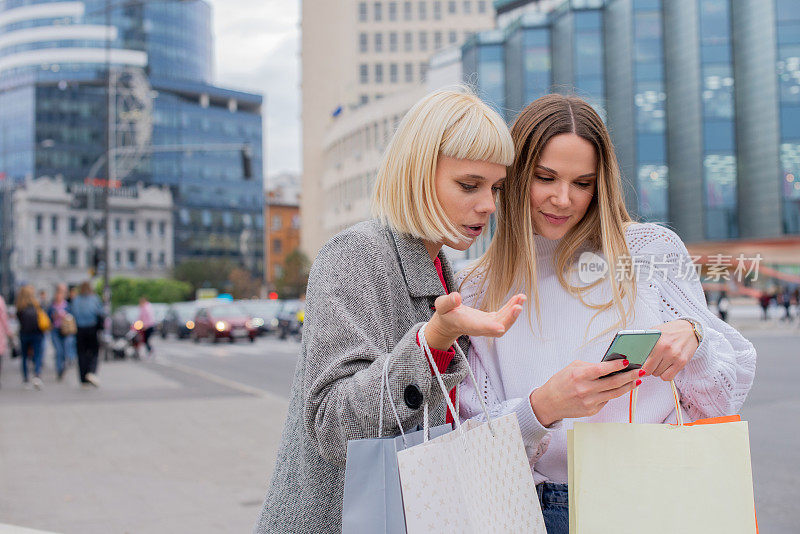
<point x="264" y="313"/>
<point x="179" y="319"/>
<point x="223" y="321"/>
<point x="290" y="318"/>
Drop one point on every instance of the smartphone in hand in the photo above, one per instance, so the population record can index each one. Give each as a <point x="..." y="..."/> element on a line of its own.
<point x="635" y="345"/>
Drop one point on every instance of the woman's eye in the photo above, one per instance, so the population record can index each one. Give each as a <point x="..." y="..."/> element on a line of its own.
<point x="467" y="187"/>
<point x="584" y="185"/>
<point x="545" y="179"/>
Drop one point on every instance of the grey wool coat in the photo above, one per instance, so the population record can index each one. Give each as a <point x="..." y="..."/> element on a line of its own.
<point x="369" y="292"/>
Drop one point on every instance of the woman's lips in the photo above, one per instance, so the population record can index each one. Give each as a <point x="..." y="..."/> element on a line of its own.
<point x="473" y="231"/>
<point x="552" y="219"/>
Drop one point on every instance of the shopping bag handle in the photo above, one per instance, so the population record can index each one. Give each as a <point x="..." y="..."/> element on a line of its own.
<point x="385" y="384"/>
<point x="424" y="344"/>
<point x="635" y="394"/>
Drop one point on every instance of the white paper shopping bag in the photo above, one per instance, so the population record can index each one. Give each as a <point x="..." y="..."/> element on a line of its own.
<point x="475" y="479"/>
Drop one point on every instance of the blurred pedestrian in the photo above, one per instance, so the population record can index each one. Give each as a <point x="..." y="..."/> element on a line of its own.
<point x="763" y="301"/>
<point x="31" y="333"/>
<point x="722" y="306"/>
<point x="43" y="299"/>
<point x="88" y="312"/>
<point x="148" y="322"/>
<point x="72" y="350"/>
<point x="6" y="340"/>
<point x="63" y="327"/>
<point x="785" y="297"/>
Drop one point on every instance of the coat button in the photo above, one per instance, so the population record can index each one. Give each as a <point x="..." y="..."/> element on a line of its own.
<point x="412" y="396"/>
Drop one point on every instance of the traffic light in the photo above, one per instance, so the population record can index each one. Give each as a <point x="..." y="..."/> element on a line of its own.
<point x="247" y="162"/>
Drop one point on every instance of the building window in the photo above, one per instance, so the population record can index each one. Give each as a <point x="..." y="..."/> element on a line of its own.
<point x="39" y="224"/>
<point x="408" y="40"/>
<point x="393" y="11"/>
<point x="117" y="258"/>
<point x="363" y="73"/>
<point x="393" y="78"/>
<point x="131" y="259"/>
<point x="72" y="257"/>
<point x="363" y="99"/>
<point x="73" y="225"/>
<point x="295" y="221"/>
<point x="437" y="10"/>
<point x="39" y="257"/>
<point x="467" y="7"/>
<point x="132" y="226"/>
<point x="407" y="10"/>
<point x="362" y="12"/>
<point x="363" y="46"/>
<point x="277" y="223"/>
<point x="378" y="73"/>
<point x="409" y="70"/>
<point x="423" y="41"/>
<point x="54" y="257"/>
<point x="276" y="246"/>
<point x="423" y="71"/>
<point x="149" y="259"/>
<point x="481" y="6"/>
<point x="148" y="227"/>
<point x="277" y="270"/>
<point x="379" y="42"/>
<point x="393" y="42"/>
<point x="452" y="37"/>
<point x="117" y="226"/>
<point x="162" y="228"/>
<point x="54" y="224"/>
<point x="437" y="40"/>
<point x="162" y="259"/>
<point x="422" y="10"/>
<point x="377" y="14"/>
<point x="451" y="7"/>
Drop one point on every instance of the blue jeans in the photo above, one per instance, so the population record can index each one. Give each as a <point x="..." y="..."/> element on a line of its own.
<point x="60" y="345"/>
<point x="34" y="342"/>
<point x="72" y="350"/>
<point x="554" y="500"/>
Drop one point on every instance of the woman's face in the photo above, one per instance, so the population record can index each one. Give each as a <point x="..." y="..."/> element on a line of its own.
<point x="466" y="190"/>
<point x="564" y="182"/>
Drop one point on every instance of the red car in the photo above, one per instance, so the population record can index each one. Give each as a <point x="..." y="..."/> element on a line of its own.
<point x="220" y="321"/>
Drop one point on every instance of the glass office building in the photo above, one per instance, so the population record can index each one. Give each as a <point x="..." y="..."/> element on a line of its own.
<point x="706" y="127"/>
<point x="54" y="60"/>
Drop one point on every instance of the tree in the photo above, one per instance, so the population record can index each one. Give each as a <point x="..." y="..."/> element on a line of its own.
<point x="126" y="291"/>
<point x="243" y="284"/>
<point x="212" y="272"/>
<point x="294" y="278"/>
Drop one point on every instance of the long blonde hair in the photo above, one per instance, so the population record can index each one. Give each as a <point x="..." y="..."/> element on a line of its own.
<point x="510" y="261"/>
<point x="452" y="123"/>
<point x="26" y="297"/>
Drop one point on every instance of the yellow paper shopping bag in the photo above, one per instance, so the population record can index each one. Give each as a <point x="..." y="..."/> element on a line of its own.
<point x="661" y="479"/>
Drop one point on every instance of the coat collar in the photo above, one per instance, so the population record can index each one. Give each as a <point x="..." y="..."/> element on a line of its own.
<point x="420" y="274"/>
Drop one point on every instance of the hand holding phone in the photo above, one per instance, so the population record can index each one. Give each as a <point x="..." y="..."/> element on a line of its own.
<point x="633" y="345"/>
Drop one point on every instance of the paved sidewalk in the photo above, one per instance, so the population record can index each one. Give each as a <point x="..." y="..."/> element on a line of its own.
<point x="153" y="450"/>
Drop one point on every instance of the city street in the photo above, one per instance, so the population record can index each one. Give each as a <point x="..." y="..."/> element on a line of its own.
<point x="185" y="442"/>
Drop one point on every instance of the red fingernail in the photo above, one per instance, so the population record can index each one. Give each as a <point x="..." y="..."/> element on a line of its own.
<point x="642" y="372"/>
<point x="638" y="382"/>
<point x="625" y="363"/>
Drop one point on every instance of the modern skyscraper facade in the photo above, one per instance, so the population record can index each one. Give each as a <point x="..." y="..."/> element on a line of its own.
<point x="54" y="60"/>
<point x="702" y="98"/>
<point x="357" y="59"/>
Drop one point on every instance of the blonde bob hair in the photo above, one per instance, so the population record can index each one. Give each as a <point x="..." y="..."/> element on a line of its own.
<point x="510" y="262"/>
<point x="453" y="123"/>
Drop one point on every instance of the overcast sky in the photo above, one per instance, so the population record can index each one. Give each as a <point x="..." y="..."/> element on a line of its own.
<point x="256" y="46"/>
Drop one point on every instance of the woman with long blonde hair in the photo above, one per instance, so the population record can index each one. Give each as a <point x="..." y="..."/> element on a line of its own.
<point x="31" y="337"/>
<point x="564" y="238"/>
<point x="372" y="287"/>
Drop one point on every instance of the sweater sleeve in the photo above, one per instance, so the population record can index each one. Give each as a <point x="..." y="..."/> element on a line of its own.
<point x="717" y="379"/>
<point x="346" y="348"/>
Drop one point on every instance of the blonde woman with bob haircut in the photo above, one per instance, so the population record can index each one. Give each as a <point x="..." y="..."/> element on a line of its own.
<point x="372" y="287"/>
<point x="561" y="209"/>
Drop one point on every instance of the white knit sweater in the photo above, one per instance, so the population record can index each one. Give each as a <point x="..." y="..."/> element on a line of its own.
<point x="508" y="369"/>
